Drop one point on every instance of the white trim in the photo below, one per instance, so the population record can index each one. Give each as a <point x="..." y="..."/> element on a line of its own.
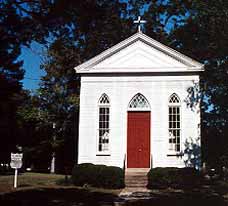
<point x="87" y="67"/>
<point x="139" y="109"/>
<point x="140" y="69"/>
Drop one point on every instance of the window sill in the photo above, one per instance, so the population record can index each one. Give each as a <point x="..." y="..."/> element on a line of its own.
<point x="175" y="154"/>
<point x="103" y="154"/>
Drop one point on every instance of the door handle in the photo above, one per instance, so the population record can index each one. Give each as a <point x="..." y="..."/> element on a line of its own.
<point x="140" y="150"/>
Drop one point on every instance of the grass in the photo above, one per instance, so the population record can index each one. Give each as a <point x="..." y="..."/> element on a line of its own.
<point x="47" y="189"/>
<point x="221" y="187"/>
<point x="29" y="180"/>
<point x="50" y="189"/>
<point x="40" y="180"/>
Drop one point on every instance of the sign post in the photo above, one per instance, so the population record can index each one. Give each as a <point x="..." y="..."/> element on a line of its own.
<point x="16" y="163"/>
<point x="15" y="179"/>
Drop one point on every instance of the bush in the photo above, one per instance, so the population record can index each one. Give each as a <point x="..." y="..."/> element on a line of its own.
<point x="98" y="176"/>
<point x="178" y="178"/>
<point x="6" y="170"/>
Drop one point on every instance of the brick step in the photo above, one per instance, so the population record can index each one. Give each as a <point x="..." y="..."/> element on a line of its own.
<point x="132" y="181"/>
<point x="136" y="181"/>
<point x="136" y="177"/>
<point x="144" y="170"/>
<point x="135" y="174"/>
<point x="136" y="185"/>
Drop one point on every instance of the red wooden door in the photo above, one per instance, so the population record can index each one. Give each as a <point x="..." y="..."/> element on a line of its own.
<point x="138" y="140"/>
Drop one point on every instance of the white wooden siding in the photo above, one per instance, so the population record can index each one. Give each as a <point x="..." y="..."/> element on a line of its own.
<point x="120" y="90"/>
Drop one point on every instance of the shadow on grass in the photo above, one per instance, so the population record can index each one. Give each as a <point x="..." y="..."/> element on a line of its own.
<point x="83" y="197"/>
<point x="66" y="181"/>
<point x="55" y="197"/>
<point x="221" y="187"/>
<point x="180" y="199"/>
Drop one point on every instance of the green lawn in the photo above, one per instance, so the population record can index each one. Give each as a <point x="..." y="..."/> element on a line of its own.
<point x="47" y="189"/>
<point x="41" y="180"/>
<point x="44" y="189"/>
<point x="28" y="180"/>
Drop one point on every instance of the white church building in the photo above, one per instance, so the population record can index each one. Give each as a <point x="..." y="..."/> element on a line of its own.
<point x="134" y="109"/>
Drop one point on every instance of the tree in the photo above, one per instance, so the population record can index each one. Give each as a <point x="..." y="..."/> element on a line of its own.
<point x="59" y="99"/>
<point x="59" y="92"/>
<point x="18" y="27"/>
<point x="22" y="22"/>
<point x="34" y="132"/>
<point x="10" y="75"/>
<point x="203" y="36"/>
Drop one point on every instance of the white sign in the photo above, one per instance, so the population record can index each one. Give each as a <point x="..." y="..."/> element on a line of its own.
<point x="16" y="163"/>
<point x="16" y="160"/>
<point x="16" y="156"/>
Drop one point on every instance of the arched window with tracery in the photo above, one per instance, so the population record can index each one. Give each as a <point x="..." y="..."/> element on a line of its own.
<point x="174" y="123"/>
<point x="104" y="118"/>
<point x="139" y="102"/>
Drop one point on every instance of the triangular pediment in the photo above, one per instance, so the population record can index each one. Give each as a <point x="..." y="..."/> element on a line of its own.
<point x="139" y="53"/>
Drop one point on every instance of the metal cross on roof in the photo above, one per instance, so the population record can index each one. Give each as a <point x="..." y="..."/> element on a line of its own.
<point x="139" y="22"/>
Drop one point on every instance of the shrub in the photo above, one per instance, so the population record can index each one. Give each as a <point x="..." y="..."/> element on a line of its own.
<point x="184" y="178"/>
<point x="82" y="174"/>
<point x="112" y="177"/>
<point x="189" y="177"/>
<point x="98" y="176"/>
<point x="6" y="170"/>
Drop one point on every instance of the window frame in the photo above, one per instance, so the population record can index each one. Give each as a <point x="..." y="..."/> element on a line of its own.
<point x="103" y="105"/>
<point x="177" y="105"/>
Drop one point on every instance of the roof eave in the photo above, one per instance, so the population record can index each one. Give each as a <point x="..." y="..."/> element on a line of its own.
<point x="139" y="70"/>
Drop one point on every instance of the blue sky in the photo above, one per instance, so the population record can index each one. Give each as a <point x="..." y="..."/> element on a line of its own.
<point x="32" y="57"/>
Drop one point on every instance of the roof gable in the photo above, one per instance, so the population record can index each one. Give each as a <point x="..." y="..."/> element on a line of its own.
<point x="139" y="53"/>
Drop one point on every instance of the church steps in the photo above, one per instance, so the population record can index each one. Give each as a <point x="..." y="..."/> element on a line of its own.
<point x="136" y="178"/>
<point x="135" y="174"/>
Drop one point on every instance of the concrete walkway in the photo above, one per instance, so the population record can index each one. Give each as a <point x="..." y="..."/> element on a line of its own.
<point x="134" y="194"/>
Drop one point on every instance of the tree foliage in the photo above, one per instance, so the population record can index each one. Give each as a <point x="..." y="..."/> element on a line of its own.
<point x="34" y="132"/>
<point x="78" y="40"/>
<point x="59" y="98"/>
<point x="204" y="37"/>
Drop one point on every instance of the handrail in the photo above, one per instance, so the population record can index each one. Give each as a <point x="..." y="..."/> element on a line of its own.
<point x="124" y="162"/>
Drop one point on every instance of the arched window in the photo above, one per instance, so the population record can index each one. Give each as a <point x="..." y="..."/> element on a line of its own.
<point x="104" y="99"/>
<point x="139" y="102"/>
<point x="104" y="112"/>
<point x="174" y="123"/>
<point x="174" y="99"/>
